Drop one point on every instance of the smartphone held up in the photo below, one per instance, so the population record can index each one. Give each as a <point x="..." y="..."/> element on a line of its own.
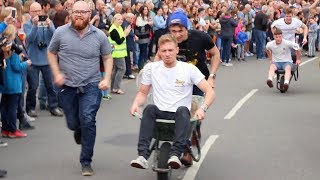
<point x="13" y="12"/>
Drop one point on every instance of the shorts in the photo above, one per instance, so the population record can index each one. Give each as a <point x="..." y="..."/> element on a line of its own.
<point x="282" y="65"/>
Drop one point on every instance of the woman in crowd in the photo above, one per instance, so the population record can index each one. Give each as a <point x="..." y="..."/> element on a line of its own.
<point x="159" y="27"/>
<point x="117" y="40"/>
<point x="228" y="25"/>
<point x="144" y="25"/>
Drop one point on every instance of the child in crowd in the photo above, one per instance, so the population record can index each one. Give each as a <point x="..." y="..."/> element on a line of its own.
<point x="241" y="39"/>
<point x="12" y="86"/>
<point x="312" y="36"/>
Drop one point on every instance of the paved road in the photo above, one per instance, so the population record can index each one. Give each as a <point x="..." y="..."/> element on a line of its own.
<point x="271" y="136"/>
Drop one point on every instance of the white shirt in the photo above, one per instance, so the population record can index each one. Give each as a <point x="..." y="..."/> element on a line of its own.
<point x="288" y="30"/>
<point x="172" y="87"/>
<point x="281" y="52"/>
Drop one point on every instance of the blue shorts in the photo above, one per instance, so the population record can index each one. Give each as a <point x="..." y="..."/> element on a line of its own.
<point x="282" y="65"/>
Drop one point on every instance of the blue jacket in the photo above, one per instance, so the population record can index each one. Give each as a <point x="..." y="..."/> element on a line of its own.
<point x="242" y="37"/>
<point x="3" y="27"/>
<point x="13" y="75"/>
<point x="35" y="35"/>
<point x="228" y="25"/>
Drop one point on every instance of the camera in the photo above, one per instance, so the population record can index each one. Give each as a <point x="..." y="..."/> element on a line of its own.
<point x="42" y="21"/>
<point x="43" y="18"/>
<point x="42" y="45"/>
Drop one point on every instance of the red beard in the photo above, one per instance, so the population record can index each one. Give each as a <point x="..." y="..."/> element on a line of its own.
<point x="79" y="23"/>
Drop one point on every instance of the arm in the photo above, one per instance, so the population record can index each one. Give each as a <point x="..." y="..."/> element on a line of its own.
<point x="140" y="98"/>
<point x="206" y="27"/>
<point x="31" y="32"/>
<point x="16" y="64"/>
<point x="215" y="61"/>
<point x="95" y="20"/>
<point x="313" y="5"/>
<point x="114" y="35"/>
<point x="234" y="23"/>
<point x="107" y="64"/>
<point x="305" y="33"/>
<point x="273" y="26"/>
<point x="158" y="23"/>
<point x="269" y="53"/>
<point x="208" y="99"/>
<point x="58" y="76"/>
<point x="213" y="25"/>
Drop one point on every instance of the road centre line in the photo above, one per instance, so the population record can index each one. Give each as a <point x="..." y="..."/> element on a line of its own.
<point x="240" y="103"/>
<point x="193" y="170"/>
<point x="312" y="59"/>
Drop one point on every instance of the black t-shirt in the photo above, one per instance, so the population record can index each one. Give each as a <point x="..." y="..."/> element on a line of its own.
<point x="193" y="49"/>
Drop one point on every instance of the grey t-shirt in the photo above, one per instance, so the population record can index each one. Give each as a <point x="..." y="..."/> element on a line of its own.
<point x="79" y="58"/>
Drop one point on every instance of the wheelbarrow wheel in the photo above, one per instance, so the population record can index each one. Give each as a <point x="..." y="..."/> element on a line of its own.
<point x="281" y="84"/>
<point x="163" y="160"/>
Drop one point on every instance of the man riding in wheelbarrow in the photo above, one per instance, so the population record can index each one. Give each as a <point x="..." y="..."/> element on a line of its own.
<point x="279" y="53"/>
<point x="172" y="83"/>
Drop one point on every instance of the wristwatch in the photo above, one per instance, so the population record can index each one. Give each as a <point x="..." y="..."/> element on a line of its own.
<point x="213" y="75"/>
<point x="204" y="107"/>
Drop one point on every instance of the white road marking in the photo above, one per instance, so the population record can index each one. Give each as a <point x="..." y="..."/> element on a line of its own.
<point x="312" y="59"/>
<point x="239" y="104"/>
<point x="193" y="170"/>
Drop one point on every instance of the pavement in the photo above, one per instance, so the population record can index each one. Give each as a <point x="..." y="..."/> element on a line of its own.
<point x="251" y="132"/>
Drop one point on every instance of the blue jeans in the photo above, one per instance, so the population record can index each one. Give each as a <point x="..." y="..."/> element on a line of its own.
<point x="136" y="54"/>
<point x="80" y="105"/>
<point x="42" y="96"/>
<point x="128" y="64"/>
<point x="143" y="55"/>
<point x="9" y="106"/>
<point x="260" y="37"/>
<point x="226" y="48"/>
<point x="33" y="82"/>
<point x="182" y="126"/>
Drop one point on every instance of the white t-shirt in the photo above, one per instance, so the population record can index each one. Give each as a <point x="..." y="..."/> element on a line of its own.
<point x="281" y="52"/>
<point x="172" y="87"/>
<point x="288" y="30"/>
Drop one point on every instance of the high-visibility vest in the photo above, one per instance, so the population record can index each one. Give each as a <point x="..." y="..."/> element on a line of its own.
<point x="119" y="50"/>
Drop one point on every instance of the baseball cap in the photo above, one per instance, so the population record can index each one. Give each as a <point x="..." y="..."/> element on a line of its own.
<point x="178" y="17"/>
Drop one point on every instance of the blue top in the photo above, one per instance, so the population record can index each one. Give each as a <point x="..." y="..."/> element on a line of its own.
<point x="159" y="23"/>
<point x="35" y="35"/>
<point x="13" y="75"/>
<point x="242" y="37"/>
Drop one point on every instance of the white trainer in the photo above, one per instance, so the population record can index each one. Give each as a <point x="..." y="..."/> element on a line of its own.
<point x="174" y="162"/>
<point x="140" y="163"/>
